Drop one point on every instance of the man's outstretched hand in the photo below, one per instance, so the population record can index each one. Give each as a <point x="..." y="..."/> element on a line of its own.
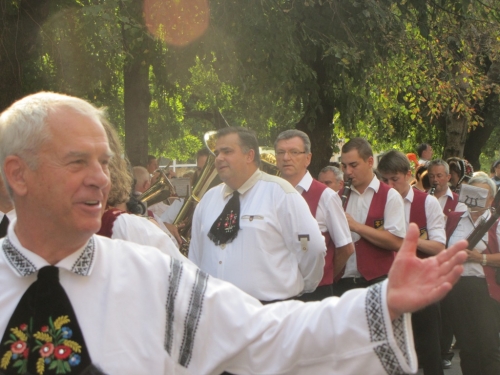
<point x="415" y="283"/>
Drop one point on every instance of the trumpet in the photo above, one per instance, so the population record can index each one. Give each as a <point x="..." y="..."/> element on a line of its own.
<point x="345" y="193"/>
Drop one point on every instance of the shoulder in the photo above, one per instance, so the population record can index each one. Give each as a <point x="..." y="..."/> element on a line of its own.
<point x="122" y="251"/>
<point x="277" y="182"/>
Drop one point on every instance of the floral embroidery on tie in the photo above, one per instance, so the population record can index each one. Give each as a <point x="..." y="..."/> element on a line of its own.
<point x="52" y="343"/>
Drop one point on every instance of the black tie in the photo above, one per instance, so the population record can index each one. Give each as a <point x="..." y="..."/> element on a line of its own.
<point x="226" y="227"/>
<point x="43" y="335"/>
<point x="3" y="226"/>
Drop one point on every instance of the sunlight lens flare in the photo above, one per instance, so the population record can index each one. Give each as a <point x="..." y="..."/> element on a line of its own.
<point x="177" y="22"/>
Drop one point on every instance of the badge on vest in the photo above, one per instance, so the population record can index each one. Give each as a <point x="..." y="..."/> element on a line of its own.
<point x="423" y="234"/>
<point x="378" y="224"/>
<point x="304" y="239"/>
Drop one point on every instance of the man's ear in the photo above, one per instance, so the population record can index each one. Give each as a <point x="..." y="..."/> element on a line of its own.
<point x="15" y="169"/>
<point x="250" y="155"/>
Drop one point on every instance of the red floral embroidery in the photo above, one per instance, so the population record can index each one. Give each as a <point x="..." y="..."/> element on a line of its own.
<point x="18" y="347"/>
<point x="44" y="329"/>
<point x="47" y="349"/>
<point x="62" y="352"/>
<point x="23" y="327"/>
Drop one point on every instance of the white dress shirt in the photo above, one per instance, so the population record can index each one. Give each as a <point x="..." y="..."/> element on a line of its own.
<point x="434" y="214"/>
<point x="358" y="207"/>
<point x="461" y="207"/>
<point x="279" y="250"/>
<point x="140" y="230"/>
<point x="329" y="214"/>
<point x="142" y="312"/>
<point x="462" y="231"/>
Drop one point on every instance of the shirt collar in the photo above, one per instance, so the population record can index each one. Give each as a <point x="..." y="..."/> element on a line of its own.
<point x="409" y="197"/>
<point x="305" y="183"/>
<point x="25" y="262"/>
<point x="374" y="185"/>
<point x="254" y="178"/>
<point x="449" y="193"/>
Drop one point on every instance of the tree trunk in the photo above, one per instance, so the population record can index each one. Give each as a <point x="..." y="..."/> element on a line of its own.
<point x="480" y="135"/>
<point x="317" y="122"/>
<point x="137" y="97"/>
<point x="19" y="36"/>
<point x="456" y="133"/>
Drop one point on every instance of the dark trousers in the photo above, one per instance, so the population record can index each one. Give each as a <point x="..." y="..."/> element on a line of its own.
<point x="426" y="329"/>
<point x="475" y="324"/>
<point x="345" y="284"/>
<point x="321" y="292"/>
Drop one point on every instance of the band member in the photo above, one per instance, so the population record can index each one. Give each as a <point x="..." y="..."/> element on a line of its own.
<point x="439" y="176"/>
<point x="472" y="310"/>
<point x="293" y="156"/>
<point x="425" y="211"/>
<point x="287" y="248"/>
<point x="375" y="214"/>
<point x="332" y="177"/>
<point x="135" y="310"/>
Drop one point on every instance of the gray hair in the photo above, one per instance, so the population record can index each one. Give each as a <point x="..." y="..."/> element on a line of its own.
<point x="438" y="162"/>
<point x="23" y="126"/>
<point x="292" y="133"/>
<point x="484" y="179"/>
<point x="339" y="175"/>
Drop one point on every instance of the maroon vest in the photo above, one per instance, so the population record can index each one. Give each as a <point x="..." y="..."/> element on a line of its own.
<point x="419" y="217"/>
<point x="492" y="248"/>
<point x="372" y="260"/>
<point x="312" y="197"/>
<point x="451" y="204"/>
<point x="489" y="272"/>
<point x="107" y="221"/>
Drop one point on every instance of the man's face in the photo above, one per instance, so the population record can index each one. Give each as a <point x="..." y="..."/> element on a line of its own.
<point x="357" y="169"/>
<point x="439" y="178"/>
<point x="427" y="153"/>
<point x="152" y="165"/>
<point x="291" y="159"/>
<point x="71" y="183"/>
<point x="200" y="163"/>
<point x="399" y="181"/>
<point x="329" y="179"/>
<point x="233" y="166"/>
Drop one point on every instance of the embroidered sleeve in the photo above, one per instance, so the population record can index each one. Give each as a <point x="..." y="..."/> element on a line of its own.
<point x="391" y="340"/>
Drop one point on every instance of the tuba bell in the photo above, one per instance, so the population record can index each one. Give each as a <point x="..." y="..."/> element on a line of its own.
<point x="161" y="190"/>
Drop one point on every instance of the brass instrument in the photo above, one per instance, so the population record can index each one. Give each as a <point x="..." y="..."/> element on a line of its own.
<point x="161" y="190"/>
<point x="345" y="193"/>
<point x="209" y="178"/>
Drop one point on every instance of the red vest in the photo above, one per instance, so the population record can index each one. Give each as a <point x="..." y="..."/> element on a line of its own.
<point x="372" y="260"/>
<point x="489" y="272"/>
<point x="492" y="248"/>
<point x="419" y="217"/>
<point x="107" y="221"/>
<point x="451" y="204"/>
<point x="312" y="197"/>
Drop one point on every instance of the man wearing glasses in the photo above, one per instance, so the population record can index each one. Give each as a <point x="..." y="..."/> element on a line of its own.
<point x="293" y="156"/>
<point x="255" y="230"/>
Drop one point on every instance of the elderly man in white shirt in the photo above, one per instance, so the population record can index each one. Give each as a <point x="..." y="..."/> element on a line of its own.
<point x="142" y="312"/>
<point x="279" y="251"/>
<point x="293" y="156"/>
<point x="439" y="176"/>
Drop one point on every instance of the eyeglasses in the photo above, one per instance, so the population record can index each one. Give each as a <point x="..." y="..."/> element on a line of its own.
<point x="292" y="153"/>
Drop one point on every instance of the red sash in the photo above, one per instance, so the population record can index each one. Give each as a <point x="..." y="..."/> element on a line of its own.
<point x="489" y="272"/>
<point x="312" y="197"/>
<point x="107" y="221"/>
<point x="419" y="217"/>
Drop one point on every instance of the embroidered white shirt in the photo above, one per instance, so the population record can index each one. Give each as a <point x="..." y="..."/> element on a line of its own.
<point x="142" y="312"/>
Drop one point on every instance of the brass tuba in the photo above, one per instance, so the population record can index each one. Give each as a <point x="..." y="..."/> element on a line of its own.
<point x="207" y="179"/>
<point x="161" y="190"/>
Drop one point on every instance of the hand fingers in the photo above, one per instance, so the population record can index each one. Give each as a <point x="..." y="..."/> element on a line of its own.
<point x="450" y="252"/>
<point x="445" y="283"/>
<point x="409" y="247"/>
